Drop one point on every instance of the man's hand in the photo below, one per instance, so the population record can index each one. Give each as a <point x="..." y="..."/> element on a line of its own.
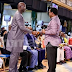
<point x="43" y="31"/>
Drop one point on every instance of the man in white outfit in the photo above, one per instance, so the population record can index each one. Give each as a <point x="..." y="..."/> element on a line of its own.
<point x="60" y="54"/>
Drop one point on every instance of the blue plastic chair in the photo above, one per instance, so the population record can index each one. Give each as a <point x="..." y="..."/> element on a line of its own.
<point x="4" y="55"/>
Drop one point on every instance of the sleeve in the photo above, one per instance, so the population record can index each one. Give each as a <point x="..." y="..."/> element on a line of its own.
<point x="36" y="45"/>
<point x="35" y="41"/>
<point x="26" y="43"/>
<point x="53" y="28"/>
<point x="21" y="24"/>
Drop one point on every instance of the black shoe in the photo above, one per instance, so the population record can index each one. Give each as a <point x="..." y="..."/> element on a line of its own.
<point x="23" y="69"/>
<point x="20" y="69"/>
<point x="41" y="66"/>
<point x="36" y="67"/>
<point x="30" y="69"/>
<point x="59" y="63"/>
<point x="63" y="62"/>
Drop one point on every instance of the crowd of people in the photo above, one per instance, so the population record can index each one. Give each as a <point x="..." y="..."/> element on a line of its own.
<point x="33" y="50"/>
<point x="64" y="51"/>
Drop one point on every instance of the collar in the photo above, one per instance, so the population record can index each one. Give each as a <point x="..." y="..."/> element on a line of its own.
<point x="20" y="13"/>
<point x="54" y="17"/>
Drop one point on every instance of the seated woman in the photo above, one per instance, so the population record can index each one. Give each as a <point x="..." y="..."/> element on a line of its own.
<point x="68" y="52"/>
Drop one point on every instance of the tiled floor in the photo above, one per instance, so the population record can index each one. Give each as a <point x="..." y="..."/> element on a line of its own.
<point x="60" y="68"/>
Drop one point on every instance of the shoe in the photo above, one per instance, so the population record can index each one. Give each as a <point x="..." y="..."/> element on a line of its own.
<point x="40" y="66"/>
<point x="22" y="69"/>
<point x="36" y="67"/>
<point x="63" y="62"/>
<point x="30" y="69"/>
<point x="59" y="63"/>
<point x="25" y="69"/>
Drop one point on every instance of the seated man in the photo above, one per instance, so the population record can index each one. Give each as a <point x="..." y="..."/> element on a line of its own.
<point x="41" y="52"/>
<point x="60" y="54"/>
<point x="34" y="54"/>
<point x="32" y="43"/>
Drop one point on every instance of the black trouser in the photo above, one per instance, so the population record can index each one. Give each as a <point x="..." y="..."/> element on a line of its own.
<point x="26" y="56"/>
<point x="51" y="56"/>
<point x="4" y="51"/>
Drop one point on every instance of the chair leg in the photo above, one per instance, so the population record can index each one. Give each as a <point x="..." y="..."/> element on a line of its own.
<point x="0" y="70"/>
<point x="4" y="65"/>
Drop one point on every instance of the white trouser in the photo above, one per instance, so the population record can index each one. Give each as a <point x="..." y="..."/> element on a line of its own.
<point x="60" y="54"/>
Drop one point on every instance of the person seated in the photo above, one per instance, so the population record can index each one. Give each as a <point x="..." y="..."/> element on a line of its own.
<point x="32" y="44"/>
<point x="67" y="49"/>
<point x="60" y="54"/>
<point x="6" y="34"/>
<point x="3" y="33"/>
<point x="1" y="43"/>
<point x="40" y="41"/>
<point x="3" y="36"/>
<point x="4" y="51"/>
<point x="34" y="54"/>
<point x="41" y="52"/>
<point x="3" y="48"/>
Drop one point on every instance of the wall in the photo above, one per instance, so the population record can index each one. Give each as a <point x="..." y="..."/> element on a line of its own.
<point x="27" y="15"/>
<point x="9" y="11"/>
<point x="43" y="16"/>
